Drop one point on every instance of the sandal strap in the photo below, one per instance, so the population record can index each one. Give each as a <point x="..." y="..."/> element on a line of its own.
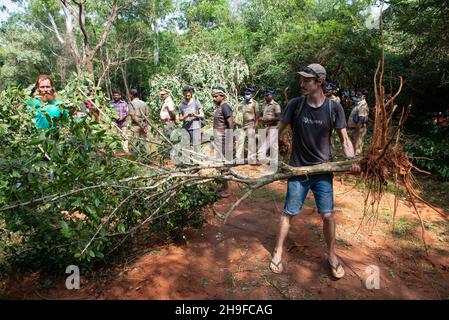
<point x="276" y="264"/>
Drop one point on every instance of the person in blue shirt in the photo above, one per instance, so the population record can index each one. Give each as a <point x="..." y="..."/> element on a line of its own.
<point x="45" y="102"/>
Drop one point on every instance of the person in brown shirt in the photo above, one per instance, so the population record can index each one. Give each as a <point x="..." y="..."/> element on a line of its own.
<point x="223" y="119"/>
<point x="138" y="112"/>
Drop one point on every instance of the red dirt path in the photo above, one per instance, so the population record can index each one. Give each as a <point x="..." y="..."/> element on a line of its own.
<point x="231" y="261"/>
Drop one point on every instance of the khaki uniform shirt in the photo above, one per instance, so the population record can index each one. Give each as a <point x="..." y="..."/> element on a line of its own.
<point x="335" y="98"/>
<point x="249" y="113"/>
<point x="269" y="112"/>
<point x="167" y="106"/>
<point x="361" y="109"/>
<point x="139" y="109"/>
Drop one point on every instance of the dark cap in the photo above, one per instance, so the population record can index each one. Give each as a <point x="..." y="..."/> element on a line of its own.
<point x="249" y="90"/>
<point x="330" y="87"/>
<point x="269" y="92"/>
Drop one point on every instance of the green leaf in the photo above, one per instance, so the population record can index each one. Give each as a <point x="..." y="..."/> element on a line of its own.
<point x="65" y="230"/>
<point x="91" y="210"/>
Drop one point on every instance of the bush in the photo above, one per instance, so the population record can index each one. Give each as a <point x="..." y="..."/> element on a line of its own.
<point x="431" y="152"/>
<point x="81" y="185"/>
<point x="203" y="71"/>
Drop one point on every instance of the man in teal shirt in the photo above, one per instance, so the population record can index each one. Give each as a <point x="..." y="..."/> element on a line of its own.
<point x="45" y="102"/>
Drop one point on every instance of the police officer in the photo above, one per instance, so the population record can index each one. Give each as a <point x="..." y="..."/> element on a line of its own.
<point x="251" y="115"/>
<point x="270" y="119"/>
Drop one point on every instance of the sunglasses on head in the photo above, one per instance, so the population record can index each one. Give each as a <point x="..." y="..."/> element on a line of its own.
<point x="311" y="71"/>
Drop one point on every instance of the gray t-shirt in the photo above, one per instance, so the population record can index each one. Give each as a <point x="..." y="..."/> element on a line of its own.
<point x="312" y="131"/>
<point x="190" y="123"/>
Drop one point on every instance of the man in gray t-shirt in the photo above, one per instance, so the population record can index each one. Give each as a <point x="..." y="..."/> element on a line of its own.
<point x="311" y="141"/>
<point x="312" y="119"/>
<point x="191" y="113"/>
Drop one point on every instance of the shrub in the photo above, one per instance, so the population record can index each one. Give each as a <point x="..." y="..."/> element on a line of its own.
<point x="81" y="185"/>
<point x="431" y="152"/>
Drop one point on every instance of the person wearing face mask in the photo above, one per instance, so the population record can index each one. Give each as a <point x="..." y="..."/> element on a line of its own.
<point x="357" y="122"/>
<point x="251" y="115"/>
<point x="45" y="103"/>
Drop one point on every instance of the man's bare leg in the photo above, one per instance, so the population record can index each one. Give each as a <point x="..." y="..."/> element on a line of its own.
<point x="284" y="227"/>
<point x="329" y="236"/>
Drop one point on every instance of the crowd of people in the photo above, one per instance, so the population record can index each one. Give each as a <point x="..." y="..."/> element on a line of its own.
<point x="132" y="115"/>
<point x="312" y="117"/>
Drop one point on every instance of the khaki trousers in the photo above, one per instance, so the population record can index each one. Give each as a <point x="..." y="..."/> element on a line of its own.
<point x="141" y="138"/>
<point x="357" y="138"/>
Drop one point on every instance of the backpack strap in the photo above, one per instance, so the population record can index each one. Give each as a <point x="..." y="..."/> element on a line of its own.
<point x="298" y="110"/>
<point x="332" y="113"/>
<point x="332" y="117"/>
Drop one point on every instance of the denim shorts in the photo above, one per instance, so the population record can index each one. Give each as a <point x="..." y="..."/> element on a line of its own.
<point x="298" y="188"/>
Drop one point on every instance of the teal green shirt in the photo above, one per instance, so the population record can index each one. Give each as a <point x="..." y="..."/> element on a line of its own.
<point x="51" y="108"/>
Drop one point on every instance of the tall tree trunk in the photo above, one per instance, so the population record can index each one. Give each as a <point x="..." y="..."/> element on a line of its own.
<point x="72" y="46"/>
<point x="125" y="81"/>
<point x="156" y="43"/>
<point x="108" y="83"/>
<point x="62" y="70"/>
<point x="89" y="52"/>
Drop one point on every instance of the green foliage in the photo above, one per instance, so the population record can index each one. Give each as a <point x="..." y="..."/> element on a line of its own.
<point x="20" y="55"/>
<point x="207" y="14"/>
<point x="431" y="152"/>
<point x="78" y="154"/>
<point x="203" y="72"/>
<point x="418" y="41"/>
<point x="298" y="33"/>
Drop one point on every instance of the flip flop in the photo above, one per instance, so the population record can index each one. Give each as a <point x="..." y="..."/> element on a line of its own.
<point x="277" y="270"/>
<point x="337" y="271"/>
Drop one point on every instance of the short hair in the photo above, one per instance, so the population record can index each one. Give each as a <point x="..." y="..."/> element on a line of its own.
<point x="187" y="89"/>
<point x="116" y="91"/>
<point x="44" y="77"/>
<point x="134" y="93"/>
